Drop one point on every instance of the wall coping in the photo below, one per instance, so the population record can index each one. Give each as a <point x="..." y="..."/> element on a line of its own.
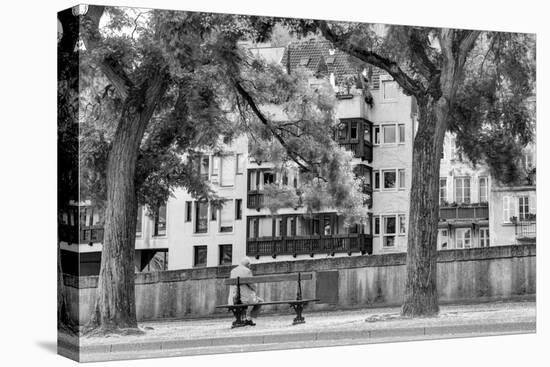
<point x="292" y="266"/>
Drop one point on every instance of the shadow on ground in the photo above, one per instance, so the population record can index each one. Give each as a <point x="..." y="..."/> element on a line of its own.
<point x="48" y="345"/>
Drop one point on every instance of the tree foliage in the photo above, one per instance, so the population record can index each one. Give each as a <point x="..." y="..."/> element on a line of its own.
<point x="217" y="92"/>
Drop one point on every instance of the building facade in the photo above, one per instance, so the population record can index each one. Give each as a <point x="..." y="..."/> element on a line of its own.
<point x="377" y="124"/>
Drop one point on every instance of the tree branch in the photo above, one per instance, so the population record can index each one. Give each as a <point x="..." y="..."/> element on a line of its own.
<point x="248" y="98"/>
<point x="419" y="56"/>
<point x="409" y="85"/>
<point x="110" y="66"/>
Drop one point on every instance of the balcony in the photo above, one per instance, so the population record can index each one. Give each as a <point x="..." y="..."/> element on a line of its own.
<point x="309" y="245"/>
<point x="526" y="231"/>
<point x="87" y="235"/>
<point x="359" y="150"/>
<point x="255" y="200"/>
<point x="354" y="135"/>
<point x="464" y="211"/>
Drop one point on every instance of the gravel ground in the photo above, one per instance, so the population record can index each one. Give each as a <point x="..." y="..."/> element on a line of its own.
<point x="364" y="319"/>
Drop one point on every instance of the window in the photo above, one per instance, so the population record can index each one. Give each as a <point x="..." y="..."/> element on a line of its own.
<point x="523" y="207"/>
<point x="509" y="209"/>
<point x="442" y="191"/>
<point x="160" y="221"/>
<point x="376" y="135"/>
<point x="377" y="180"/>
<point x="139" y="223"/>
<point x="401" y="133"/>
<point x="199" y="258"/>
<point x="201" y="217"/>
<point x="213" y="212"/>
<point x="240" y="164"/>
<point x="226" y="255"/>
<point x="204" y="167"/>
<point x="366" y="133"/>
<point x="252" y="223"/>
<point x="215" y="177"/>
<point x="483" y="190"/>
<point x="443" y="239"/>
<point x="188" y="211"/>
<point x="389" y="89"/>
<point x="463" y="238"/>
<point x="401" y="179"/>
<point x="266" y="178"/>
<point x="389" y="231"/>
<point x="389" y="134"/>
<point x="462" y="190"/>
<point x="252" y="180"/>
<point x="377" y="225"/>
<point x="402" y="224"/>
<point x="484" y="237"/>
<point x="389" y="179"/>
<point x="353" y="130"/>
<point x="343" y="131"/>
<point x="228" y="166"/>
<point x="226" y="216"/>
<point x="238" y="209"/>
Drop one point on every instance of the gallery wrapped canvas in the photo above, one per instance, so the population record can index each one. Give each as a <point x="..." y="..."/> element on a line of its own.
<point x="237" y="183"/>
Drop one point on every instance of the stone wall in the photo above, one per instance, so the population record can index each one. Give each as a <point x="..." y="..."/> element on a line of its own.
<point x="469" y="275"/>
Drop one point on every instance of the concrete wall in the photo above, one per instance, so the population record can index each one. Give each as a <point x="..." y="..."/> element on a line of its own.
<point x="463" y="276"/>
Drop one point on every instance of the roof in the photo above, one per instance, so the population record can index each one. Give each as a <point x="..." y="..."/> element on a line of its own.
<point x="270" y="54"/>
<point x="320" y="56"/>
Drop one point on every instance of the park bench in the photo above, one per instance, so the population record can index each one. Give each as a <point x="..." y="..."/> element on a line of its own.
<point x="239" y="308"/>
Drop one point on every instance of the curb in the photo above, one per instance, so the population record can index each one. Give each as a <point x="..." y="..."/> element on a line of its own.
<point x="266" y="339"/>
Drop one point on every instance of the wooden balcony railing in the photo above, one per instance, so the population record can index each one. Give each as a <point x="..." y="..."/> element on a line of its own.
<point x="88" y="234"/>
<point x="255" y="200"/>
<point x="359" y="150"/>
<point x="344" y="243"/>
<point x="526" y="230"/>
<point x="476" y="211"/>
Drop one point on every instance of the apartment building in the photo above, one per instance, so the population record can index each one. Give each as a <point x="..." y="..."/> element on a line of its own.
<point x="377" y="124"/>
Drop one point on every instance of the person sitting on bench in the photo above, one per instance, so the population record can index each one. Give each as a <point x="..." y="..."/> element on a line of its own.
<point x="248" y="291"/>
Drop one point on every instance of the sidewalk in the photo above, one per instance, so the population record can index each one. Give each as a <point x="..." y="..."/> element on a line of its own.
<point x="207" y="336"/>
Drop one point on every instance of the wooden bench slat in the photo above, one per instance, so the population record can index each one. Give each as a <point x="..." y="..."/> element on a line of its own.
<point x="272" y="303"/>
<point x="268" y="278"/>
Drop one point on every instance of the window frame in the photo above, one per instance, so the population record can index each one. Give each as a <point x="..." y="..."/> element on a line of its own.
<point x="387" y="79"/>
<point x="196" y="249"/>
<point x="523" y="205"/>
<point x="223" y="174"/>
<point x="196" y="222"/>
<point x="463" y="180"/>
<point x="221" y="253"/>
<point x="188" y="211"/>
<point x="486" y="179"/>
<point x="445" y="197"/>
<point x="484" y="237"/>
<point x="156" y="222"/>
<point x="231" y="214"/>
<point x="238" y="209"/>
<point x="462" y="238"/>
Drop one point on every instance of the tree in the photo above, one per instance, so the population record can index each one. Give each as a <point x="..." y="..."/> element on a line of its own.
<point x="476" y="84"/>
<point x="67" y="153"/>
<point x="159" y="85"/>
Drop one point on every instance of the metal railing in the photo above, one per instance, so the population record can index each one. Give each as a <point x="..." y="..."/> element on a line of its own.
<point x="88" y="234"/>
<point x="344" y="243"/>
<point x="527" y="229"/>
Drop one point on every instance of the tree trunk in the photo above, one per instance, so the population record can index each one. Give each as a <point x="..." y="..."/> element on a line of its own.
<point x="64" y="321"/>
<point x="421" y="298"/>
<point x="115" y="307"/>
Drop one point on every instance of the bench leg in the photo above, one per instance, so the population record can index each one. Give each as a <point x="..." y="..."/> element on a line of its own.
<point x="239" y="320"/>
<point x="299" y="319"/>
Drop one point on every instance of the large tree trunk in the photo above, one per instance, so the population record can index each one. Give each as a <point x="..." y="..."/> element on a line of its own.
<point x="421" y="298"/>
<point x="115" y="307"/>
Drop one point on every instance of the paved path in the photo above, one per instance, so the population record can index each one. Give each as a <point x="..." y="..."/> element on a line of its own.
<point x="208" y="336"/>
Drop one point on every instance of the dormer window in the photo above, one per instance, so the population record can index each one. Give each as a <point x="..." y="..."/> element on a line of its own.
<point x="304" y="61"/>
